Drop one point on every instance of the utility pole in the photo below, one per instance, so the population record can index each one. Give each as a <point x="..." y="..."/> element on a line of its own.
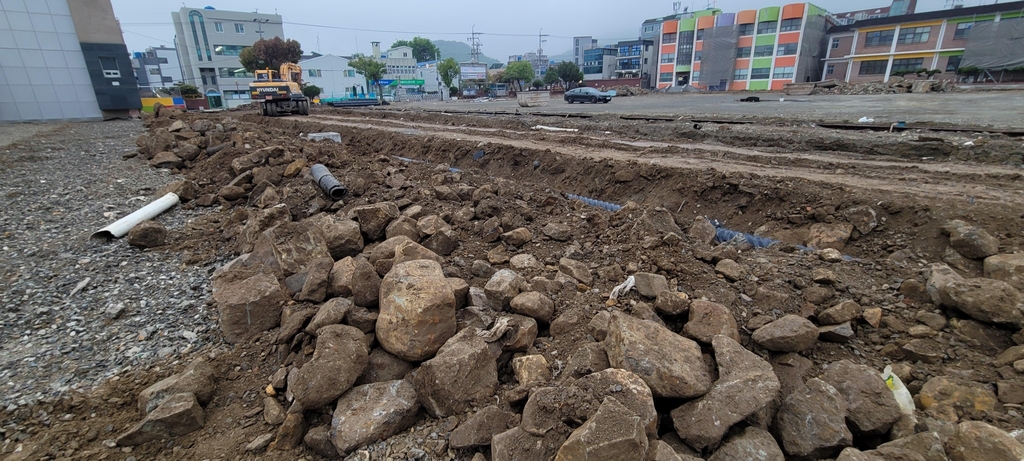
<point x="474" y="45"/>
<point x="259" y="26"/>
<point x="540" y="41"/>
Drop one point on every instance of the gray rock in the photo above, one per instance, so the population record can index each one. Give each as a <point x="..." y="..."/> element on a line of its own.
<point x="373" y="412"/>
<point x="576" y="270"/>
<point x="273" y="412"/>
<point x="504" y="286"/>
<point x="318" y="439"/>
<point x="533" y="304"/>
<point x="289" y="247"/>
<point x="517" y="237"/>
<point x="791" y="333"/>
<point x="939" y="277"/>
<point x="357" y="278"/>
<point x="480" y="427"/>
<point x="863" y="218"/>
<point x="260" y="442"/>
<point x="840" y="313"/>
<point x="670" y="364"/>
<point x="463" y="373"/>
<point x="197" y="378"/>
<point x="829" y="235"/>
<point x="1008" y="268"/>
<point x="417" y="310"/>
<point x="927" y="444"/>
<point x="836" y="333"/>
<point x="613" y="433"/>
<point x="975" y="440"/>
<point x="708" y="319"/>
<point x="702" y="230"/>
<point x="250" y="306"/>
<point x="853" y="454"/>
<point x="731" y="270"/>
<point x="811" y="423"/>
<point x="746" y="384"/>
<point x="672" y="303"/>
<point x="443" y="242"/>
<point x="340" y="357"/>
<point x="522" y="262"/>
<point x="166" y="160"/>
<point x="971" y="241"/>
<point x="342" y="236"/>
<point x="516" y="444"/>
<point x="147" y="234"/>
<point x="649" y="285"/>
<point x="403" y="225"/>
<point x="314" y="289"/>
<point x="331" y="312"/>
<point x="557" y="231"/>
<point x="924" y="350"/>
<point x="374" y="219"/>
<point x="382" y="366"/>
<point x="548" y="407"/>
<point x="178" y="415"/>
<point x="871" y="407"/>
<point x="751" y="444"/>
<point x="987" y="300"/>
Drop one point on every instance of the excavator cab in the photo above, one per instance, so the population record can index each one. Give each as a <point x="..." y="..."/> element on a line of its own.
<point x="279" y="92"/>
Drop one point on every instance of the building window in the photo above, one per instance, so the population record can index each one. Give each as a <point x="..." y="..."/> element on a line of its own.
<point x="739" y="74"/>
<point x="830" y="69"/>
<point x="700" y="34"/>
<point x="789" y="25"/>
<point x="162" y="60"/>
<point x="219" y="27"/>
<point x="665" y="77"/>
<point x="695" y="76"/>
<point x="907" y="65"/>
<point x="314" y="72"/>
<point x="784" y="72"/>
<point x="228" y="50"/>
<point x="649" y="28"/>
<point x="109" y="66"/>
<point x="879" y="38"/>
<point x="766" y="27"/>
<point x="914" y="35"/>
<point x="876" y="67"/>
<point x="239" y="28"/>
<point x="154" y="71"/>
<point x="668" y="39"/>
<point x="762" y="51"/>
<point x="577" y="42"/>
<point x="746" y="29"/>
<point x="953" y="63"/>
<point x="962" y="29"/>
<point x="760" y="73"/>
<point x="697" y="55"/>
<point x="786" y="49"/>
<point x="234" y="72"/>
<point x="668" y="58"/>
<point x="743" y="52"/>
<point x="835" y="43"/>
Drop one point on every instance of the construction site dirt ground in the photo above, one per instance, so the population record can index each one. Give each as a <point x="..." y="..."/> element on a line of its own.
<point x="774" y="178"/>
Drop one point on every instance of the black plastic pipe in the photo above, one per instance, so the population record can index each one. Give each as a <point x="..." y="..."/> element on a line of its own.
<point x="327" y="182"/>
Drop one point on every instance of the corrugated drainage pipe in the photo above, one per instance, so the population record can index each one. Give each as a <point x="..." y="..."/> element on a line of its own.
<point x="327" y="182"/>
<point x="121" y="227"/>
<point x="596" y="203"/>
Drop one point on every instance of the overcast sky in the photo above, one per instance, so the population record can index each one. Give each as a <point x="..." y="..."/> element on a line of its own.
<point x="508" y="27"/>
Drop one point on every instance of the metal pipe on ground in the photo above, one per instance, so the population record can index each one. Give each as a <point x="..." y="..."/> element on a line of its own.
<point x="327" y="182"/>
<point x="121" y="227"/>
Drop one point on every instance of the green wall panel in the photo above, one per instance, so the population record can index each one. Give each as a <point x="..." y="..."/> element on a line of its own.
<point x="761" y="62"/>
<point x="764" y="40"/>
<point x="984" y="17"/>
<point x="682" y="68"/>
<point x="951" y="53"/>
<point x="758" y="85"/>
<point x="768" y="14"/>
<point x="687" y="24"/>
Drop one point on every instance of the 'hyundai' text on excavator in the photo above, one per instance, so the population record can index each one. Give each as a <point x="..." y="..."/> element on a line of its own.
<point x="279" y="93"/>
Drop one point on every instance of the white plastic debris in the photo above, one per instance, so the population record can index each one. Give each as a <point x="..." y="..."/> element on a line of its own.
<point x="553" y="128"/>
<point x="865" y="120"/>
<point x="899" y="391"/>
<point x="623" y="288"/>
<point x="969" y="143"/>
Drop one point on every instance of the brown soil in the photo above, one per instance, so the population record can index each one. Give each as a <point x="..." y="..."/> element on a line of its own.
<point x="768" y="177"/>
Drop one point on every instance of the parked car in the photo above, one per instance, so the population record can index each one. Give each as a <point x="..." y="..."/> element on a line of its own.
<point x="587" y="94"/>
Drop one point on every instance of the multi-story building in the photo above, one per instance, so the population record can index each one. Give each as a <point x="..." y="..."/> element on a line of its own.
<point x="539" y="62"/>
<point x="209" y="41"/>
<point x="63" y="60"/>
<point x="401" y="64"/>
<point x="333" y="75"/>
<point x="749" y="50"/>
<point x="581" y="45"/>
<point x="897" y="8"/>
<point x="875" y="49"/>
<point x="599" y="63"/>
<point x="636" y="59"/>
<point x="157" y="67"/>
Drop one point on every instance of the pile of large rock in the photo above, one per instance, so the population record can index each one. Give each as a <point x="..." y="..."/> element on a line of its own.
<point x="893" y="86"/>
<point x="379" y="319"/>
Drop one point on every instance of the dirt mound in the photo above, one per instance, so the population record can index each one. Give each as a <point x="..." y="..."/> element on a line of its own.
<point x="462" y="294"/>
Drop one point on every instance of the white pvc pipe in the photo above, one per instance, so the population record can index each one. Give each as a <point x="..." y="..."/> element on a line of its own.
<point x="121" y="227"/>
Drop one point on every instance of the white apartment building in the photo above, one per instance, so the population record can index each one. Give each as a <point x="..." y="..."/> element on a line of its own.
<point x="333" y="75"/>
<point x="209" y="41"/>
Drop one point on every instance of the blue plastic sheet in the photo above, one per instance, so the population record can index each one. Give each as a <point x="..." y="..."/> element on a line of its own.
<point x="595" y="203"/>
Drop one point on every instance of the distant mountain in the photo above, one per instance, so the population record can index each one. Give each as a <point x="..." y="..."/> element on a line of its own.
<point x="563" y="56"/>
<point x="460" y="51"/>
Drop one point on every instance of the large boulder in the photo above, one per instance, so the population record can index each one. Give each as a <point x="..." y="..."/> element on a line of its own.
<point x="331" y="312"/>
<point x="708" y="319"/>
<point x="549" y="407"/>
<point x="357" y="278"/>
<point x="829" y="235"/>
<point x="811" y="423"/>
<point x="289" y="247"/>
<point x="939" y="277"/>
<point x="250" y="306"/>
<point x="373" y="412"/>
<point x="971" y="241"/>
<point x="339" y="358"/>
<point x="948" y="398"/>
<point x="176" y="416"/>
<point x="374" y="219"/>
<point x="147" y="234"/>
<point x="576" y="270"/>
<point x="382" y="366"/>
<point x="503" y="287"/>
<point x="258" y="222"/>
<point x="480" y="427"/>
<point x="613" y="433"/>
<point x="197" y="378"/>
<point x="533" y="304"/>
<point x="753" y="444"/>
<point x="871" y="407"/>
<point x="342" y="236"/>
<point x="791" y="333"/>
<point x="1008" y="268"/>
<point x="670" y="364"/>
<point x="987" y="300"/>
<point x="417" y="310"/>
<point x="649" y="285"/>
<point x="927" y="444"/>
<point x="746" y="383"/>
<point x="463" y="373"/>
<point x="975" y="440"/>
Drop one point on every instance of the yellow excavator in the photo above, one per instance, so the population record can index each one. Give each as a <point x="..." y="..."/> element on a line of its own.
<point x="279" y="92"/>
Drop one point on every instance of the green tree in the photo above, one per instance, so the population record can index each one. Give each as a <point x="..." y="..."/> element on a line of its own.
<point x="188" y="91"/>
<point x="567" y="72"/>
<point x="448" y="70"/>
<point x="537" y="84"/>
<point x="311" y="91"/>
<point x="518" y="72"/>
<point x="550" y="77"/>
<point x="422" y="48"/>
<point x="372" y="70"/>
<point x="270" y="54"/>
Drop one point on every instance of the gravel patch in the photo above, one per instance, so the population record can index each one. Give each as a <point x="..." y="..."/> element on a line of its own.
<point x="75" y="311"/>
